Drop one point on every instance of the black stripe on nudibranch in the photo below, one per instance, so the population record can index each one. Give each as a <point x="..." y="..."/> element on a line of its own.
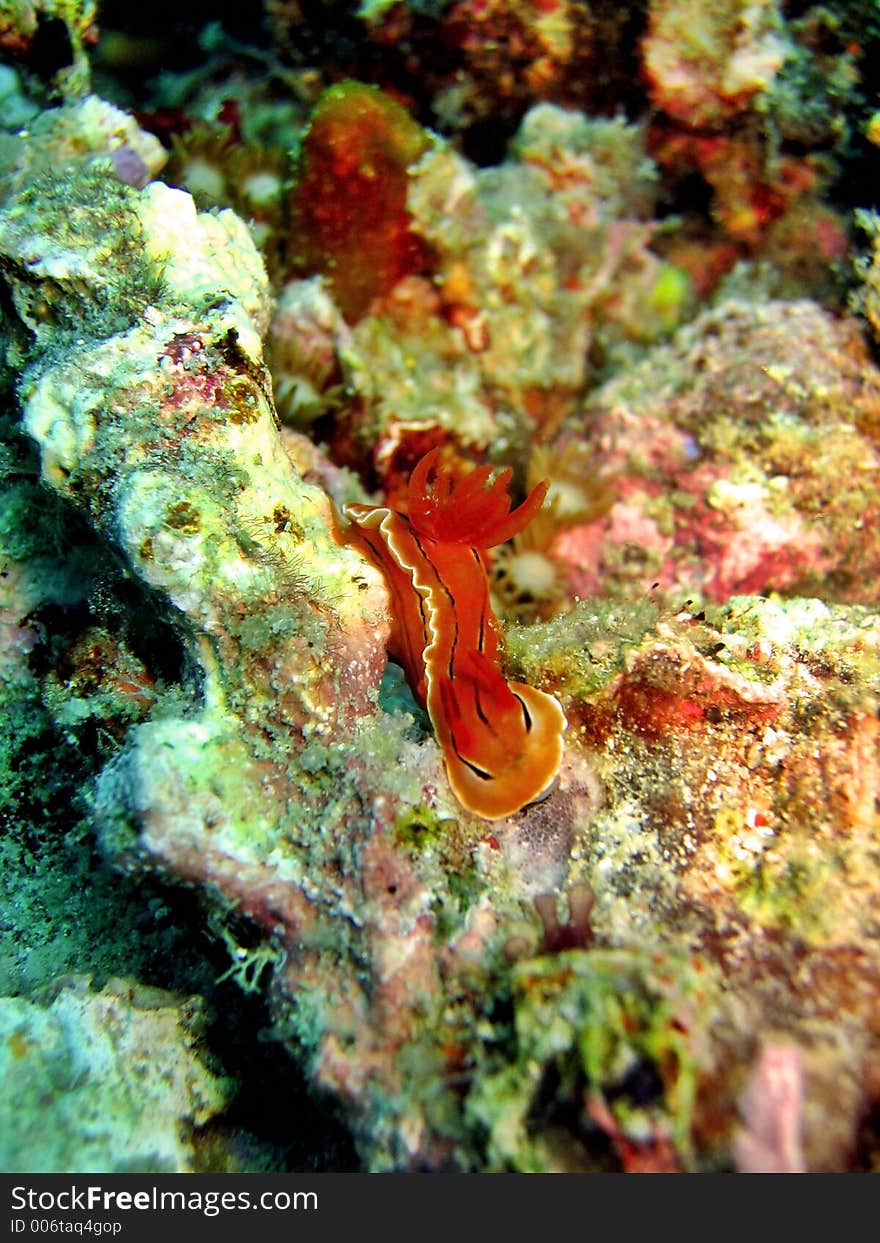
<point x="450" y="597"/>
<point x="480" y="713"/>
<point x="478" y="772"/>
<point x="481" y="632"/>
<point x="527" y="719"/>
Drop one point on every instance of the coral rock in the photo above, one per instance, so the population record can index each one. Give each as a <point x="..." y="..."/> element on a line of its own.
<point x="350" y="220"/>
<point x="108" y="1080"/>
<point x="742" y="460"/>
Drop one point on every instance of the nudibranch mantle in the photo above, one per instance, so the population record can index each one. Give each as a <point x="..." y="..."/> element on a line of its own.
<point x="501" y="741"/>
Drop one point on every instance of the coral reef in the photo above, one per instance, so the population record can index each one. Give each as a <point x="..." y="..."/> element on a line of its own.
<point x="28" y="32"/>
<point x="706" y="65"/>
<point x="480" y="65"/>
<point x="349" y="220"/>
<point x="537" y="263"/>
<point x="731" y="828"/>
<point x="86" y="1090"/>
<point x="672" y="961"/>
<point x="744" y="459"/>
<point x="88" y="128"/>
<point x="867" y="298"/>
<point x="752" y="104"/>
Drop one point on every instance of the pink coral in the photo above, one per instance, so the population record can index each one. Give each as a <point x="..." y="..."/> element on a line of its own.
<point x="739" y="466"/>
<point x="772" y="1104"/>
<point x="706" y="62"/>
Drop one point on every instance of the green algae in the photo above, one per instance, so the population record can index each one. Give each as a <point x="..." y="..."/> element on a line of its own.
<point x="108" y="1080"/>
<point x="21" y="23"/>
<point x="65" y="910"/>
<point x="580" y="652"/>
<point x="419" y="828"/>
<point x="593" y="1022"/>
<point x="80" y="268"/>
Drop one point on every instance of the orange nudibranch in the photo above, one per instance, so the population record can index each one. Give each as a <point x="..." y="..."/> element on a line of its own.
<point x="501" y="741"/>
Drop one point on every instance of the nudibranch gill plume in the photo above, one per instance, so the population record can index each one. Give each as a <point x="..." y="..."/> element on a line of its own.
<point x="501" y="741"/>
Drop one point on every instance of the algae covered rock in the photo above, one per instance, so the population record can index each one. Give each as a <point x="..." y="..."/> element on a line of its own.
<point x="867" y="298"/>
<point x="737" y="751"/>
<point x="742" y="458"/>
<point x="108" y="1080"/>
<point x="24" y="22"/>
<point x="516" y="275"/>
<point x="593" y="982"/>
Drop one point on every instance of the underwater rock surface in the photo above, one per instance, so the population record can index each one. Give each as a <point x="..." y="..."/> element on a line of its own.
<point x="744" y="458"/>
<point x="673" y="961"/>
<point x="107" y="1080"/>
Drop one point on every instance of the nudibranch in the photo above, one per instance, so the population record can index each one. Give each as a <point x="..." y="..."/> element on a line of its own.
<point x="501" y="741"/>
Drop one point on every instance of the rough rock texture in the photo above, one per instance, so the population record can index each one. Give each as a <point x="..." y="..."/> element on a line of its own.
<point x="107" y="1081"/>
<point x="594" y="982"/>
<point x="742" y="458"/>
<point x="533" y="264"/>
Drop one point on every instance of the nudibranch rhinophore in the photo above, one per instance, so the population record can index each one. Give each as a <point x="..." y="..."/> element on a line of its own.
<point x="501" y="741"/>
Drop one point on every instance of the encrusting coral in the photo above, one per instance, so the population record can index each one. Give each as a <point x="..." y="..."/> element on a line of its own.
<point x="153" y="418"/>
<point x="106" y="1080"/>
<point x="743" y="458"/>
<point x="595" y="981"/>
<point x="751" y="104"/>
<point x="524" y="268"/>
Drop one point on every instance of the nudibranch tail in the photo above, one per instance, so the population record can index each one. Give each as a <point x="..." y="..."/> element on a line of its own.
<point x="501" y="741"/>
<point x="502" y="760"/>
